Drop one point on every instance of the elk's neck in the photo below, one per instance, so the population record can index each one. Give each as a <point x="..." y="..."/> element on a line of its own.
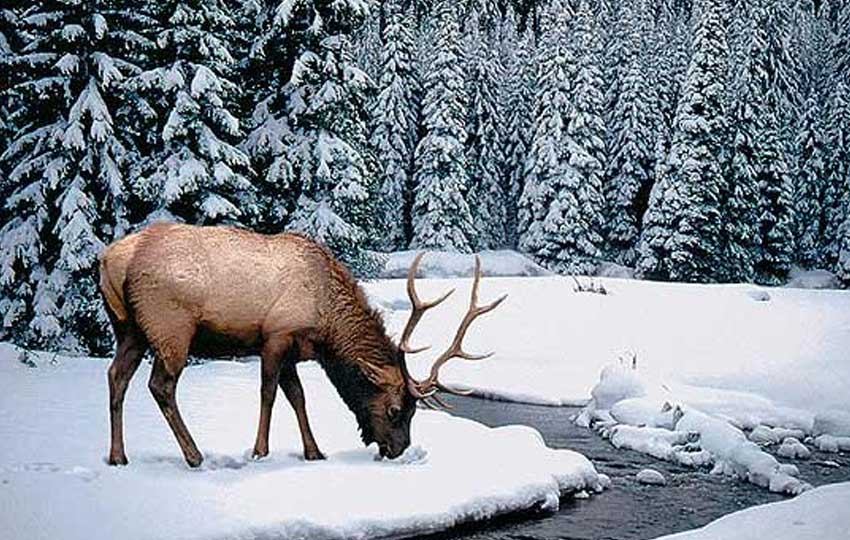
<point x="351" y="328"/>
<point x="352" y="334"/>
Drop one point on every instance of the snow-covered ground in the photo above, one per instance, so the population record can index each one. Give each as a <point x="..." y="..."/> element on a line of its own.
<point x="713" y="362"/>
<point x="819" y="514"/>
<point x="774" y="347"/>
<point x="54" y="482"/>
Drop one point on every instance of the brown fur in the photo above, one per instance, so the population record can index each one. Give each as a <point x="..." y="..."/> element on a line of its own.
<point x="213" y="291"/>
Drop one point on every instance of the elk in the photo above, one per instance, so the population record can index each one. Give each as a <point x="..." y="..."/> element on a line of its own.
<point x="179" y="289"/>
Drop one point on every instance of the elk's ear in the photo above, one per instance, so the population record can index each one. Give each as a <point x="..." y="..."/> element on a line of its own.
<point x="372" y="372"/>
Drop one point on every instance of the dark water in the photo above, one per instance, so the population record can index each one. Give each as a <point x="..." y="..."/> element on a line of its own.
<point x="628" y="510"/>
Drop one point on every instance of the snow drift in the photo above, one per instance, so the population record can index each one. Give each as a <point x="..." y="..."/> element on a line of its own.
<point x="820" y="514"/>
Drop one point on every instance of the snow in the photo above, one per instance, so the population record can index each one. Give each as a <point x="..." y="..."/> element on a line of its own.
<point x="56" y="484"/>
<point x="819" y="514"/>
<point x="760" y="362"/>
<point x="651" y="477"/>
<point x="812" y="279"/>
<point x="792" y="448"/>
<point x="443" y="264"/>
<point x="831" y="443"/>
<point x="699" y="366"/>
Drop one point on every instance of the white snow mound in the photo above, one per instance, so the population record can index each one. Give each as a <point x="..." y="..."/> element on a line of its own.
<point x="819" y="514"/>
<point x="445" y="264"/>
<point x="54" y="482"/>
<point x="683" y="425"/>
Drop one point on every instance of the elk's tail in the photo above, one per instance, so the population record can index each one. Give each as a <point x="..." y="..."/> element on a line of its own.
<point x="111" y="294"/>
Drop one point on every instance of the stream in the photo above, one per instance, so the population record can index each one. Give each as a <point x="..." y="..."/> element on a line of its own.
<point x="627" y="510"/>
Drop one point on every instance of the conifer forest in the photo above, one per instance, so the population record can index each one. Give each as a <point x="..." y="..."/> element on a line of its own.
<point x="698" y="141"/>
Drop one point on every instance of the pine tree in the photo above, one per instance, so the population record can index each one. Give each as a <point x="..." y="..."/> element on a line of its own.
<point x="809" y="152"/>
<point x="11" y="41"/>
<point x="742" y="229"/>
<point x="558" y="204"/>
<point x="629" y="173"/>
<point x="394" y="127"/>
<point x="68" y="163"/>
<point x="837" y="178"/>
<point x="808" y="195"/>
<point x="783" y="53"/>
<point x="484" y="155"/>
<point x="330" y="156"/>
<point x="195" y="173"/>
<point x="586" y="129"/>
<point x="440" y="214"/>
<point x="681" y="237"/>
<point x="369" y="39"/>
<point x="517" y="96"/>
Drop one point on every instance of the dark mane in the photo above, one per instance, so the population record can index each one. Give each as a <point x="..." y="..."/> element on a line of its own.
<point x="353" y="387"/>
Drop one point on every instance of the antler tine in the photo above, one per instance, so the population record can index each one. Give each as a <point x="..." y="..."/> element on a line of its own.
<point x="419" y="307"/>
<point x="455" y="350"/>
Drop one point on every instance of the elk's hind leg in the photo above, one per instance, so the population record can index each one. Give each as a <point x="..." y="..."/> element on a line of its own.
<point x="168" y="365"/>
<point x="131" y="347"/>
<point x="273" y="350"/>
<point x="291" y="386"/>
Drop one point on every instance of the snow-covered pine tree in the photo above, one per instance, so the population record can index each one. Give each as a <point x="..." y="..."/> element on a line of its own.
<point x="487" y="13"/>
<point x="586" y="129"/>
<point x="440" y="215"/>
<point x="517" y="97"/>
<point x="783" y="53"/>
<point x="748" y="126"/>
<point x="837" y="179"/>
<point x="809" y="187"/>
<point x="394" y="126"/>
<point x="195" y="172"/>
<point x="630" y="168"/>
<point x="11" y="40"/>
<point x="484" y="127"/>
<point x="330" y="155"/>
<point x="368" y="40"/>
<point x="67" y="183"/>
<point x="615" y="21"/>
<point x="556" y="229"/>
<point x="739" y="39"/>
<point x="776" y="210"/>
<point x="554" y="65"/>
<point x="681" y="239"/>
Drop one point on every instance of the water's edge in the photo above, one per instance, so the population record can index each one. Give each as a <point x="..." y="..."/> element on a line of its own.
<point x="628" y="510"/>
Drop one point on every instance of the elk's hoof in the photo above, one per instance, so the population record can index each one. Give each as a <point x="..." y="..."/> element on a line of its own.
<point x="117" y="459"/>
<point x="313" y="455"/>
<point x="194" y="461"/>
<point x="258" y="454"/>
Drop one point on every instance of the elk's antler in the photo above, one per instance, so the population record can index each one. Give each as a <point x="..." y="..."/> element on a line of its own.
<point x="419" y="309"/>
<point x="430" y="386"/>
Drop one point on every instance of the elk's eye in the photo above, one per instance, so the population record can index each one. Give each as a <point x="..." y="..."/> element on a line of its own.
<point x="393" y="412"/>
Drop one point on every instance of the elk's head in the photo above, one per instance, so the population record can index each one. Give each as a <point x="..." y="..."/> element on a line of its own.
<point x="393" y="404"/>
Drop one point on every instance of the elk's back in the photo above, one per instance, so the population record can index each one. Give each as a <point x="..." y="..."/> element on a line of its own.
<point x="220" y="281"/>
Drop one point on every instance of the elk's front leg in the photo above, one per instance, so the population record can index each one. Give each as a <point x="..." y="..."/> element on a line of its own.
<point x="271" y="356"/>
<point x="291" y="386"/>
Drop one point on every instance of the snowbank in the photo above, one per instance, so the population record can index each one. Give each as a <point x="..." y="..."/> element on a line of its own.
<point x="444" y="264"/>
<point x="55" y="484"/>
<point x="551" y="342"/>
<point x="666" y="423"/>
<point x="799" y="278"/>
<point x="819" y="514"/>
